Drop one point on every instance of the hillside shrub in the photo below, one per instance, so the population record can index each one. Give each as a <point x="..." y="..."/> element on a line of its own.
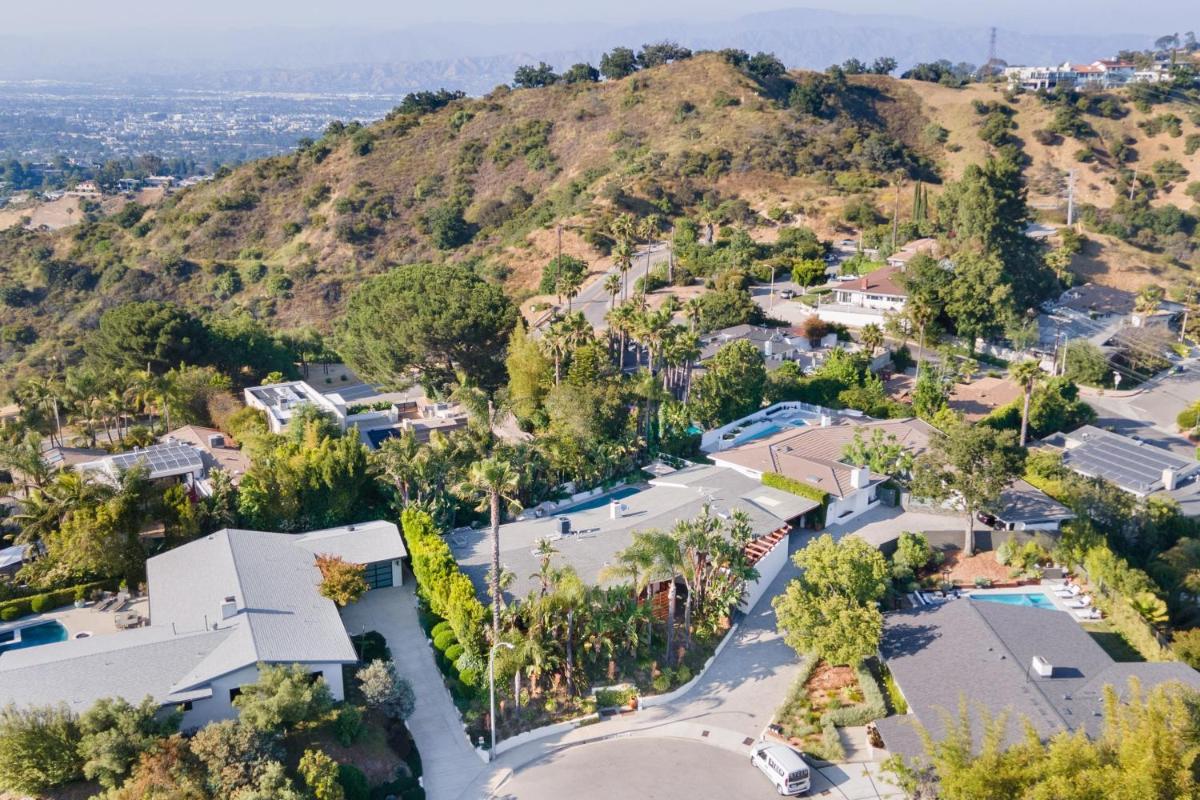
<point x="444" y="640"/>
<point x="354" y="782"/>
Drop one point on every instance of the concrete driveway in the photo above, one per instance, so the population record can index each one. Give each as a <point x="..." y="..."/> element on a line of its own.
<point x="448" y="760"/>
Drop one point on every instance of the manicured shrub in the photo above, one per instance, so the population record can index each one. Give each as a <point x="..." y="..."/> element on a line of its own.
<point x="354" y="782"/>
<point x="469" y="676"/>
<point x="9" y="613"/>
<point x="441" y="627"/>
<point x="444" y="640"/>
<point x="453" y="652"/>
<point x="348" y="725"/>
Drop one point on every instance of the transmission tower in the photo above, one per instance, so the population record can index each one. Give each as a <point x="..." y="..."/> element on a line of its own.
<point x="991" y="46"/>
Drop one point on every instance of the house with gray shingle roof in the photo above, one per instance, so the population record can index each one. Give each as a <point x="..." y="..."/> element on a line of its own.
<point x="1032" y="664"/>
<point x="219" y="606"/>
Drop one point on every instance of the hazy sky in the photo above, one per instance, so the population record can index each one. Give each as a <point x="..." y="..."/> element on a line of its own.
<point x="1096" y="16"/>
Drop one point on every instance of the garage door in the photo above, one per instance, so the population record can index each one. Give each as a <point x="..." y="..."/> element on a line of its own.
<point x="379" y="575"/>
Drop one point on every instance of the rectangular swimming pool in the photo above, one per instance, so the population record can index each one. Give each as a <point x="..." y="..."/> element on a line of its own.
<point x="1031" y="599"/>
<point x="33" y="635"/>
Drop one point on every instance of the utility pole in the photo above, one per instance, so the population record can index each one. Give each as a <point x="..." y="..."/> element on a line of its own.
<point x="1070" y="198"/>
<point x="1132" y="185"/>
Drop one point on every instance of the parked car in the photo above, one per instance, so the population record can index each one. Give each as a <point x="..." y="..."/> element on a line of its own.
<point x="783" y="766"/>
<point x="844" y="278"/>
<point x="787" y="294"/>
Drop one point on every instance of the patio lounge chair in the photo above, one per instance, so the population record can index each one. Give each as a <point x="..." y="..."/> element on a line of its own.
<point x="1089" y="613"/>
<point x="106" y="603"/>
<point x="1070" y="590"/>
<point x="1081" y="602"/>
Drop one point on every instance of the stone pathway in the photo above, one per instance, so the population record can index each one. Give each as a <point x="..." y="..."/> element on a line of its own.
<point x="449" y="762"/>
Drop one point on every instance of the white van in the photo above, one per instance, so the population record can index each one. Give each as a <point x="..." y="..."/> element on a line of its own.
<point x="785" y="767"/>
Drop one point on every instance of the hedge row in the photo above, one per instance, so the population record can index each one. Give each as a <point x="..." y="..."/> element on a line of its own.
<point x="448" y="591"/>
<point x="872" y="707"/>
<point x="46" y="601"/>
<point x="785" y="484"/>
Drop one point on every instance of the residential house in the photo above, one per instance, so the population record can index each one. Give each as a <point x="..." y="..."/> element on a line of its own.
<point x="1101" y="74"/>
<point x="1024" y="507"/>
<point x="977" y="399"/>
<point x="813" y="455"/>
<point x="12" y="559"/>
<point x="589" y="536"/>
<point x="376" y="416"/>
<point x="219" y="607"/>
<point x="1037" y="666"/>
<point x="777" y="345"/>
<point x="1130" y="464"/>
<point x="911" y="250"/>
<point x="162" y="462"/>
<point x="217" y="449"/>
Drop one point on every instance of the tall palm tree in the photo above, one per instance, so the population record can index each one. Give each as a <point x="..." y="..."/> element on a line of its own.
<point x="872" y="336"/>
<point x="569" y="596"/>
<point x="621" y="319"/>
<point x="544" y="551"/>
<point x="612" y="285"/>
<point x="493" y="480"/>
<point x="1027" y="375"/>
<point x="396" y="460"/>
<point x="622" y="253"/>
<point x="555" y="340"/>
<point x="666" y="564"/>
<point x="693" y="309"/>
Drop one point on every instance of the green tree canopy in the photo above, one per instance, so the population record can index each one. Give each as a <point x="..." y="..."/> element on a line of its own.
<point x="38" y="748"/>
<point x="115" y="734"/>
<point x="436" y="319"/>
<point x="732" y="386"/>
<point x="969" y="465"/>
<point x="282" y="698"/>
<point x="151" y="332"/>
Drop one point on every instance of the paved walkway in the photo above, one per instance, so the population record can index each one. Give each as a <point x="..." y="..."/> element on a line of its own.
<point x="448" y="760"/>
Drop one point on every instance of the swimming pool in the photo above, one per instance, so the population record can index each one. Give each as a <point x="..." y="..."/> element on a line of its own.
<point x="1032" y="599"/>
<point x="33" y="635"/>
<point x="602" y="501"/>
<point x="770" y="430"/>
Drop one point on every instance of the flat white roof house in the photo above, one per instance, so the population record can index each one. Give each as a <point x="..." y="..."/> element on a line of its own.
<point x="219" y="606"/>
<point x="376" y="416"/>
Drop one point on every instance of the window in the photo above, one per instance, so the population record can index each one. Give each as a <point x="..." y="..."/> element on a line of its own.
<point x="313" y="677"/>
<point x="234" y="693"/>
<point x="185" y="706"/>
<point x="378" y="574"/>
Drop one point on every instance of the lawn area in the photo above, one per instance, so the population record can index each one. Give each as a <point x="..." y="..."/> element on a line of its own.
<point x="1112" y="641"/>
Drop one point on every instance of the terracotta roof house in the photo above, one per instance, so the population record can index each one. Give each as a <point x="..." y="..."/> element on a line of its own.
<point x="977" y="399"/>
<point x="880" y="290"/>
<point x="911" y="250"/>
<point x="812" y="454"/>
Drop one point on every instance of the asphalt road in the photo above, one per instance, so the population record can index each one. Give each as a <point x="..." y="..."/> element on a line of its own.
<point x="657" y="769"/>
<point x="593" y="300"/>
<point x="1151" y="412"/>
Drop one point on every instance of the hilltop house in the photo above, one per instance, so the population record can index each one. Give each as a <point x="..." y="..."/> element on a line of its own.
<point x="777" y="345"/>
<point x="377" y="417"/>
<point x="219" y="606"/>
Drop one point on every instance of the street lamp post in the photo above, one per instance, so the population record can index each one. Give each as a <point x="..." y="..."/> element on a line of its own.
<point x="492" y="692"/>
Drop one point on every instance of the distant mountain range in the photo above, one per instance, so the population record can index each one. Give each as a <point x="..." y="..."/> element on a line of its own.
<point x="476" y="57"/>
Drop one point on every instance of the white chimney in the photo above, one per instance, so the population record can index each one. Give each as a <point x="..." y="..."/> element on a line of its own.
<point x="1042" y="668"/>
<point x="1168" y="479"/>
<point x="826" y="421"/>
<point x="769" y="347"/>
<point x="616" y="509"/>
<point x="229" y="607"/>
<point x="860" y="477"/>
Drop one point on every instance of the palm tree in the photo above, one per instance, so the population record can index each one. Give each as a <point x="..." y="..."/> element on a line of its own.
<point x="612" y="285"/>
<point x="623" y="258"/>
<point x="396" y="460"/>
<point x="872" y="336"/>
<point x="1027" y="374"/>
<point x="1148" y="299"/>
<point x="568" y="286"/>
<point x="555" y="340"/>
<point x="666" y="564"/>
<point x="493" y="479"/>
<point x="544" y="551"/>
<point x="570" y="594"/>
<point x="693" y="309"/>
<point x="621" y="319"/>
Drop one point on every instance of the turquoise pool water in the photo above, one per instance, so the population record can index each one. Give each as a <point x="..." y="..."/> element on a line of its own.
<point x="34" y="635"/>
<point x="770" y="430"/>
<point x="1033" y="599"/>
<point x="599" y="502"/>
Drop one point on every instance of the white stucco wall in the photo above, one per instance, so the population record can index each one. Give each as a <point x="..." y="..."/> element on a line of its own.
<point x="854" y="504"/>
<point x="768" y="568"/>
<point x="219" y="706"/>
